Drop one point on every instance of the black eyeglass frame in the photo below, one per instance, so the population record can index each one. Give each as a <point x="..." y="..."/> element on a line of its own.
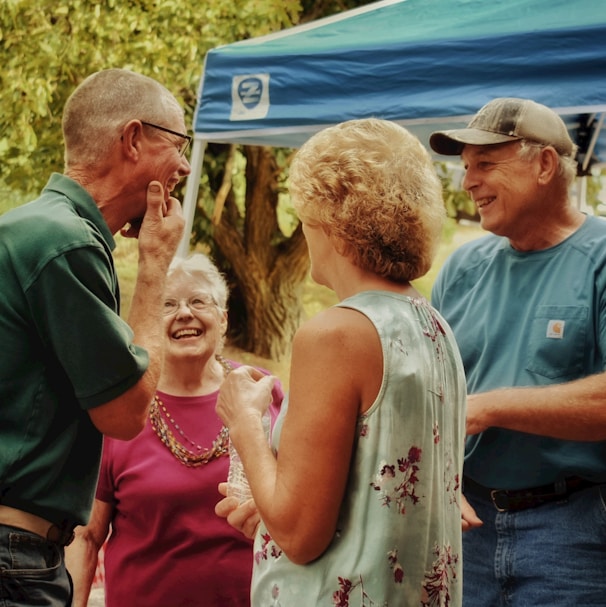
<point x="188" y="138"/>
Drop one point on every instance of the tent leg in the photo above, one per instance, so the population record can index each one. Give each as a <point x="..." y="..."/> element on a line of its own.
<point x="190" y="198"/>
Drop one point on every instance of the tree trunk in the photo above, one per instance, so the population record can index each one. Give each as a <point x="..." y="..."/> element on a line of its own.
<point x="268" y="268"/>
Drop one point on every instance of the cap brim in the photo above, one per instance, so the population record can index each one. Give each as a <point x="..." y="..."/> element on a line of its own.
<point x="451" y="143"/>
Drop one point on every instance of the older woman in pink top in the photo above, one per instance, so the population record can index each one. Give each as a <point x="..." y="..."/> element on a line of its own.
<point x="157" y="493"/>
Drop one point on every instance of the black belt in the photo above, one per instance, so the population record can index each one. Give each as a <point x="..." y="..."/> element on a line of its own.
<point x="507" y="500"/>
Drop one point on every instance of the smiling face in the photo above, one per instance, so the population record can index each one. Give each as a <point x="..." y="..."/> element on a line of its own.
<point x="194" y="325"/>
<point x="168" y="164"/>
<point x="156" y="155"/>
<point x="504" y="187"/>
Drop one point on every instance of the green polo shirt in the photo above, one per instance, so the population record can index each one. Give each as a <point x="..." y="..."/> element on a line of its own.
<point x="64" y="350"/>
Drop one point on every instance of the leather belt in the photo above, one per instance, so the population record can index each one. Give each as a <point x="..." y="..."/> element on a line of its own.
<point x="59" y="534"/>
<point x="508" y="500"/>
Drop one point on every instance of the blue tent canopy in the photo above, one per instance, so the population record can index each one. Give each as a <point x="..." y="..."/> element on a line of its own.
<point x="426" y="64"/>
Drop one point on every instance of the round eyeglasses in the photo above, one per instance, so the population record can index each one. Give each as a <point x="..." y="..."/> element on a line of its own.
<point x="197" y="303"/>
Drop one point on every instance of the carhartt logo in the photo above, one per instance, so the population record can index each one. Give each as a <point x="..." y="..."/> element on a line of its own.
<point x="555" y="329"/>
<point x="249" y="97"/>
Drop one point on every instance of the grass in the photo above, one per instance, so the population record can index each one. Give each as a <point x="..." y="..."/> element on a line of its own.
<point x="315" y="297"/>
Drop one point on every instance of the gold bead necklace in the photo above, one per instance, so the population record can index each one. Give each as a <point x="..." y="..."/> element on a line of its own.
<point x="188" y="458"/>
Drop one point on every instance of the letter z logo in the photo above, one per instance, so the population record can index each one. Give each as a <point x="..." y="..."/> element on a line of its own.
<point x="249" y="97"/>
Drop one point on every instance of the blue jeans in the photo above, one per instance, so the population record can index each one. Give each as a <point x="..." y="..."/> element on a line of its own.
<point x="553" y="555"/>
<point x="32" y="571"/>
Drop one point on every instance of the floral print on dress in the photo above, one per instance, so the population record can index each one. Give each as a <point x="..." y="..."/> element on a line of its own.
<point x="363" y="431"/>
<point x="436" y="333"/>
<point x="398" y="572"/>
<point x="452" y="480"/>
<point x="436" y="433"/>
<point x="275" y="595"/>
<point x="396" y="483"/>
<point x="262" y="555"/>
<point x="451" y="474"/>
<point x="436" y="586"/>
<point x="340" y="597"/>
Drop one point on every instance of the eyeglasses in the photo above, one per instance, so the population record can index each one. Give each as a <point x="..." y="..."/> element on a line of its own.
<point x="184" y="145"/>
<point x="196" y="302"/>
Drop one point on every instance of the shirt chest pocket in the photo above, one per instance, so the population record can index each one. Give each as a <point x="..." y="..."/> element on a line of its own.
<point x="557" y="341"/>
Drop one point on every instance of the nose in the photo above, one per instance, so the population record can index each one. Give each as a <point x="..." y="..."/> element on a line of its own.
<point x="469" y="180"/>
<point x="183" y="309"/>
<point x="185" y="167"/>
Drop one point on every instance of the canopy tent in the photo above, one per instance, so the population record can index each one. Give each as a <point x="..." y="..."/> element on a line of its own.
<point x="426" y="64"/>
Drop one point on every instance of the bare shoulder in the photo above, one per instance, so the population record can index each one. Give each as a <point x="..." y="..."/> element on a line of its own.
<point x="339" y="324"/>
<point x="341" y="346"/>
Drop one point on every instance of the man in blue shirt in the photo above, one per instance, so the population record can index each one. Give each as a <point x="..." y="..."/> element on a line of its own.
<point x="71" y="370"/>
<point x="527" y="304"/>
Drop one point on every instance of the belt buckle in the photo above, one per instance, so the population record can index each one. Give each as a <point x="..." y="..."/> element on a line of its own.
<point x="495" y="495"/>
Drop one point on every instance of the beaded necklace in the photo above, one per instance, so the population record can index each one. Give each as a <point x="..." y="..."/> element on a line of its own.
<point x="188" y="458"/>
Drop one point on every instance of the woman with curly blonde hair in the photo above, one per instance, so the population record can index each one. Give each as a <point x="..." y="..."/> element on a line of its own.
<point x="360" y="494"/>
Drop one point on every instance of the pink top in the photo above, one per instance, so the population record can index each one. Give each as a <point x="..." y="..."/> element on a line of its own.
<point x="167" y="546"/>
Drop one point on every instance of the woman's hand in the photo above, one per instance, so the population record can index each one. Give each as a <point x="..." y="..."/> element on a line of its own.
<point x="244" y="517"/>
<point x="245" y="393"/>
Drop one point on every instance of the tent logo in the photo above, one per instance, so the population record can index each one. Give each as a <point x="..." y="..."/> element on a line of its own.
<point x="249" y="97"/>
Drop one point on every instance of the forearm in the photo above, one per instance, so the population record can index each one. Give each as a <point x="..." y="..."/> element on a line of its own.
<point x="570" y="411"/>
<point x="298" y="494"/>
<point x="81" y="558"/>
<point x="296" y="526"/>
<point x="158" y="239"/>
<point x="159" y="234"/>
<point x="145" y="319"/>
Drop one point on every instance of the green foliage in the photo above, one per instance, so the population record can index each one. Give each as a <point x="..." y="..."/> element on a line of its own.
<point x="457" y="202"/>
<point x="48" y="46"/>
<point x="9" y="199"/>
<point x="595" y="184"/>
<point x="316" y="9"/>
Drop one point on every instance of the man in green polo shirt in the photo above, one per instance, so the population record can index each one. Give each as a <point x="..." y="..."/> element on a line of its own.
<point x="71" y="370"/>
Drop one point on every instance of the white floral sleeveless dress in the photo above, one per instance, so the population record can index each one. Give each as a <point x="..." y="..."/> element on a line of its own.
<point x="398" y="540"/>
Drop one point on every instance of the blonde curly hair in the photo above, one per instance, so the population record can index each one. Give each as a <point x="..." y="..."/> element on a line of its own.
<point x="372" y="186"/>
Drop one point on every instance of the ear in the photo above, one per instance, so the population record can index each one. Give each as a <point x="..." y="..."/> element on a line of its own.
<point x="132" y="139"/>
<point x="549" y="164"/>
<point x="223" y="324"/>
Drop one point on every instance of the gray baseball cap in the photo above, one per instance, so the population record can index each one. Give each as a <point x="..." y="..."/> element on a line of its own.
<point x="507" y="119"/>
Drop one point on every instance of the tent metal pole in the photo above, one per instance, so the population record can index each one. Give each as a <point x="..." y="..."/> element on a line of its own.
<point x="594" y="139"/>
<point x="582" y="195"/>
<point x="190" y="197"/>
